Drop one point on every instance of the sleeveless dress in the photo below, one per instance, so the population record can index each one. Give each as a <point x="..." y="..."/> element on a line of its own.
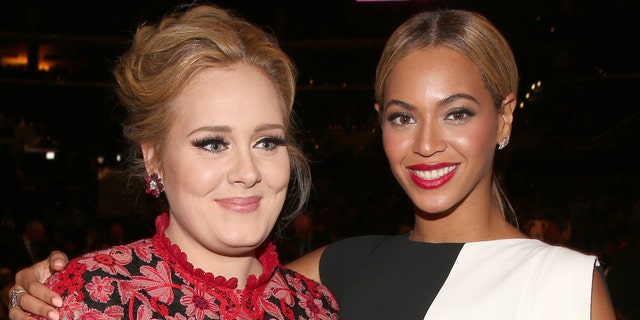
<point x="391" y="277"/>
<point x="151" y="279"/>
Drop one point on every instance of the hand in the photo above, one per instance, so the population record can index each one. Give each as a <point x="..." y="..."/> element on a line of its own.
<point x="38" y="298"/>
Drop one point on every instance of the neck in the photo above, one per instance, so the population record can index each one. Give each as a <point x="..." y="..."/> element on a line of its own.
<point x="461" y="226"/>
<point x="238" y="263"/>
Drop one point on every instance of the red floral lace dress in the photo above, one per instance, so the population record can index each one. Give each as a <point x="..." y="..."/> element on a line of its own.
<point x="151" y="279"/>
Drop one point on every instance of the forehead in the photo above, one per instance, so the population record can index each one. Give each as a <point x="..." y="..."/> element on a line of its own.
<point x="238" y="96"/>
<point x="438" y="71"/>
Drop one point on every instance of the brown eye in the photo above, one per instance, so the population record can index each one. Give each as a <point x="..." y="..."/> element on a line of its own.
<point x="459" y="115"/>
<point x="404" y="119"/>
<point x="400" y="119"/>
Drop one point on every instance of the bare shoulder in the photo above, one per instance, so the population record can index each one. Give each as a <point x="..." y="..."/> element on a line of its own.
<point x="309" y="264"/>
<point x="601" y="305"/>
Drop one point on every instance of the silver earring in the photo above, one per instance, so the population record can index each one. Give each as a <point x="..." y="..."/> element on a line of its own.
<point x="503" y="143"/>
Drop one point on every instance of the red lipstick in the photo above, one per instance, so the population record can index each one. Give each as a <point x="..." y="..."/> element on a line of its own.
<point x="432" y="175"/>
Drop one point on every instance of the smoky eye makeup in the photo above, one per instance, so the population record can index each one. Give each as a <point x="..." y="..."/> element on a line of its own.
<point x="459" y="114"/>
<point x="271" y="142"/>
<point x="399" y="118"/>
<point x="212" y="144"/>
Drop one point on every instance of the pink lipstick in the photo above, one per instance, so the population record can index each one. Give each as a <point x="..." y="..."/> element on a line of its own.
<point x="240" y="205"/>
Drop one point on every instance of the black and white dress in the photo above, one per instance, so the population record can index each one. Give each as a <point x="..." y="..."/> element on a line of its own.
<point x="392" y="277"/>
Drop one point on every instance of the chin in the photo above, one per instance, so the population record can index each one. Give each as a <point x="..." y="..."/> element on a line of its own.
<point x="247" y="242"/>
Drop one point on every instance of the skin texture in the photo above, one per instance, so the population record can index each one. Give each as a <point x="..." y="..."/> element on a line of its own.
<point x="225" y="176"/>
<point x="424" y="121"/>
<point x="436" y="110"/>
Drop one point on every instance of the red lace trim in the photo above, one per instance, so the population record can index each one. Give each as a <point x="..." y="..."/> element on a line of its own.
<point x="266" y="254"/>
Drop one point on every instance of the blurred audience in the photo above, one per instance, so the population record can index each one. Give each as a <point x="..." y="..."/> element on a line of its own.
<point x="303" y="236"/>
<point x="6" y="282"/>
<point x="623" y="276"/>
<point x="550" y="231"/>
<point x="21" y="249"/>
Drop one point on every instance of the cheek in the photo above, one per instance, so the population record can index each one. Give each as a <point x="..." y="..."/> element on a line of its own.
<point x="387" y="144"/>
<point x="476" y="140"/>
<point x="276" y="172"/>
<point x="395" y="145"/>
<point x="194" y="176"/>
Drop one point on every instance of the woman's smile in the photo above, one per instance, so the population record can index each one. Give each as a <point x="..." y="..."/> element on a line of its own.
<point x="240" y="205"/>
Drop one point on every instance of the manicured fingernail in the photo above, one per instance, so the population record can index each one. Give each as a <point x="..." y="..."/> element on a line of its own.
<point x="56" y="302"/>
<point x="58" y="263"/>
<point x="53" y="315"/>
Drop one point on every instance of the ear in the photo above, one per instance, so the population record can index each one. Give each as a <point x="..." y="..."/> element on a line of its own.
<point x="148" y="153"/>
<point x="379" y="111"/>
<point x="505" y="116"/>
<point x="377" y="107"/>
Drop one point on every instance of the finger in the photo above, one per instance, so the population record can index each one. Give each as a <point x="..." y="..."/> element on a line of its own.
<point x="41" y="294"/>
<point x="57" y="261"/>
<point x="35" y="306"/>
<point x="17" y="314"/>
<point x="14" y="311"/>
<point x="38" y="299"/>
<point x="30" y="279"/>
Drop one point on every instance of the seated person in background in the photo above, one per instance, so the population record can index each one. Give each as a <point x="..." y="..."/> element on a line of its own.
<point x="549" y="231"/>
<point x="304" y="236"/>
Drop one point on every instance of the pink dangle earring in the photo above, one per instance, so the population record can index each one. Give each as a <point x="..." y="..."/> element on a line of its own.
<point x="154" y="185"/>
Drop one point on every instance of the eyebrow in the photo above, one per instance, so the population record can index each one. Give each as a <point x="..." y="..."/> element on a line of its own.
<point x="400" y="103"/>
<point x="268" y="126"/>
<point x="211" y="129"/>
<point x="445" y="101"/>
<point x="456" y="97"/>
<point x="227" y="129"/>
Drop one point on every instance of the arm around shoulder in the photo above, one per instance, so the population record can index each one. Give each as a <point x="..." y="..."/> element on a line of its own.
<point x="309" y="264"/>
<point x="38" y="298"/>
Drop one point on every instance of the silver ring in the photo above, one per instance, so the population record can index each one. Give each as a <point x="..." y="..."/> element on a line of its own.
<point x="14" y="296"/>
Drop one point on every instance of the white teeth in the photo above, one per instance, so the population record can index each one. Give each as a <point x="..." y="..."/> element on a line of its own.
<point x="433" y="174"/>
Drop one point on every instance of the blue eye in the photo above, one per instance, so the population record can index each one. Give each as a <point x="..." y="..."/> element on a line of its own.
<point x="213" y="145"/>
<point x="270" y="143"/>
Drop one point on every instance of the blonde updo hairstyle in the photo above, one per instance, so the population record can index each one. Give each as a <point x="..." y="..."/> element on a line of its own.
<point x="164" y="58"/>
<point x="470" y="34"/>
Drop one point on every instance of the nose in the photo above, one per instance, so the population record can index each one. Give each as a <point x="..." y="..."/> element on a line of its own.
<point x="429" y="140"/>
<point x="244" y="170"/>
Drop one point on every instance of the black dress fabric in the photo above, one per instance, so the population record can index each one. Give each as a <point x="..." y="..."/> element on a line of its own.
<point x="371" y="292"/>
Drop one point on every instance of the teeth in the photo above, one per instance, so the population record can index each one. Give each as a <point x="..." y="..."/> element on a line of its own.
<point x="433" y="174"/>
